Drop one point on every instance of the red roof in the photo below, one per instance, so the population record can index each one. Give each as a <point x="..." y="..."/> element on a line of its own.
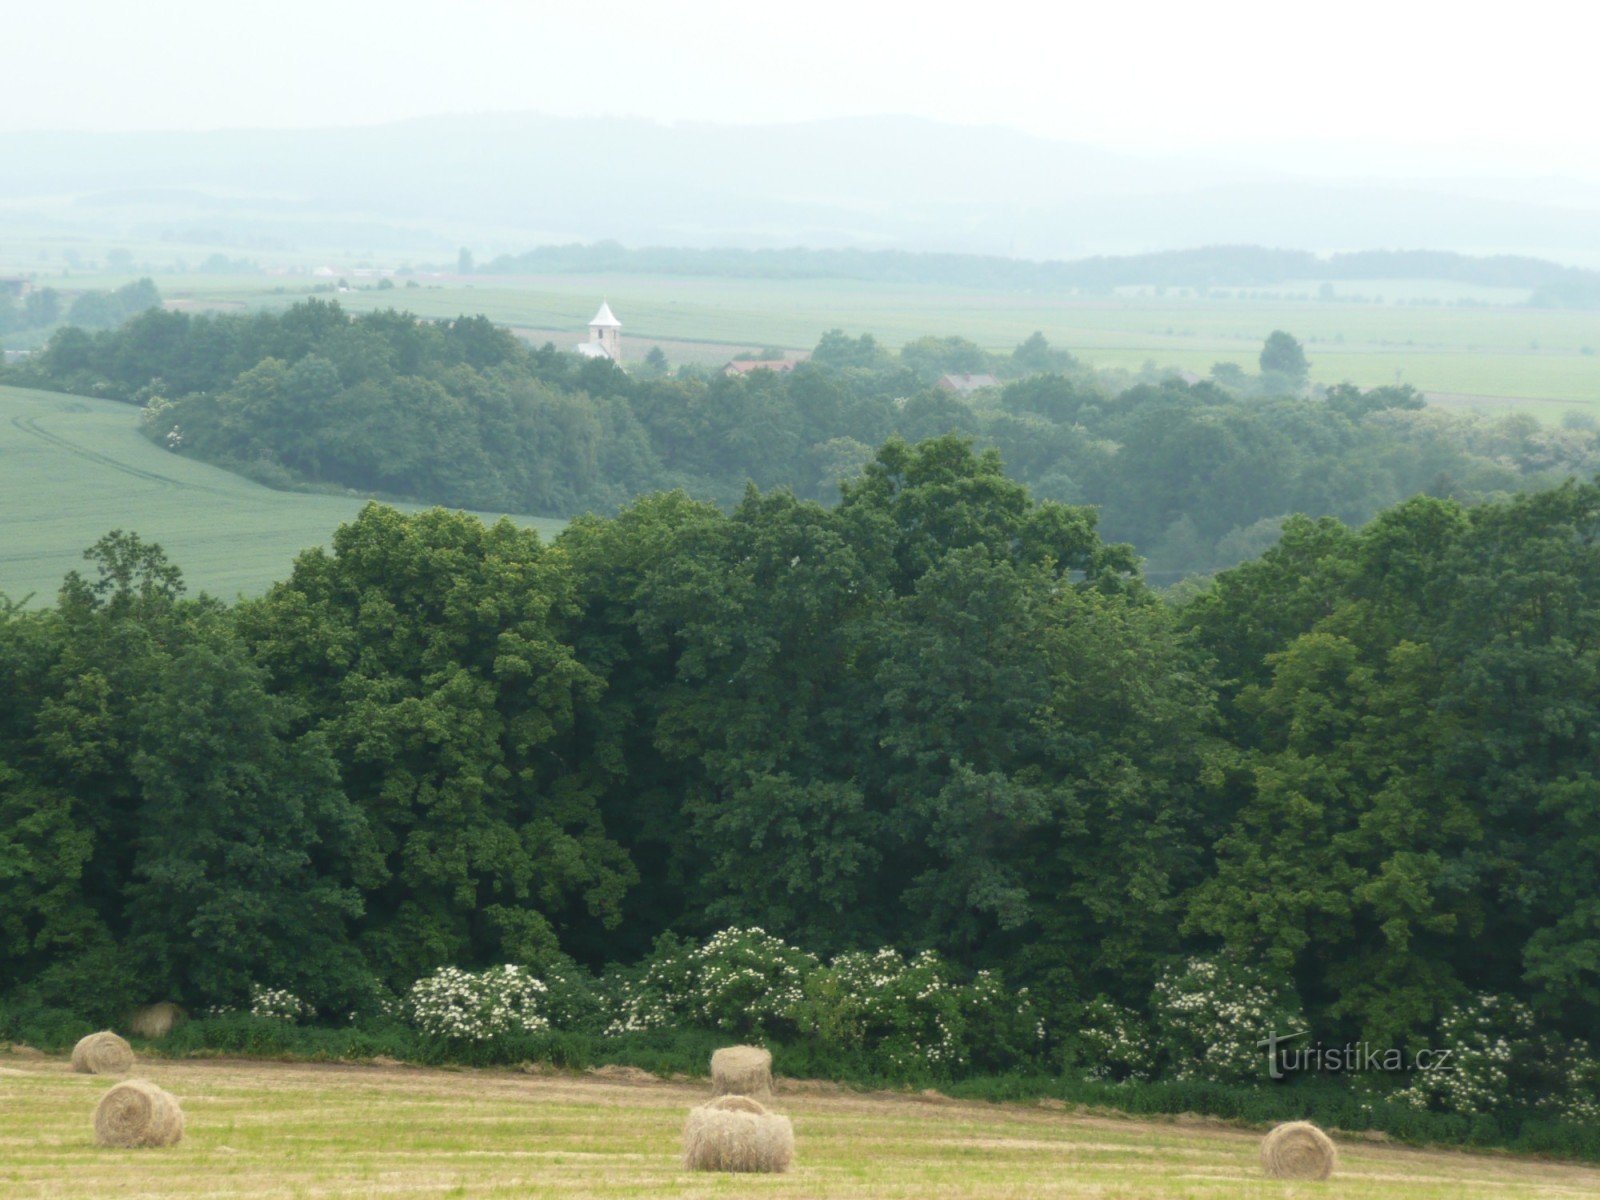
<point x="745" y="366"/>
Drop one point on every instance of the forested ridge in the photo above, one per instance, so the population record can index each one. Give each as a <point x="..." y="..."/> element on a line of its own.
<point x="1349" y="785"/>
<point x="1194" y="475"/>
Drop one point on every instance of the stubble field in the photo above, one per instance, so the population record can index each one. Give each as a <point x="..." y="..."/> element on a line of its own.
<point x="271" y="1130"/>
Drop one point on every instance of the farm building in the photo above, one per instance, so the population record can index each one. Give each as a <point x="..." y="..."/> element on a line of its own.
<point x="605" y="336"/>
<point x="965" y="385"/>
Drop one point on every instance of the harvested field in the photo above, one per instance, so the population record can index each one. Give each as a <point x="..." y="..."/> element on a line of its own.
<point x="269" y="1130"/>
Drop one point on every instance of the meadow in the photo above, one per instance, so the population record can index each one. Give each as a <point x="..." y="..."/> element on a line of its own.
<point x="74" y="468"/>
<point x="267" y="1130"/>
<point x="1492" y="353"/>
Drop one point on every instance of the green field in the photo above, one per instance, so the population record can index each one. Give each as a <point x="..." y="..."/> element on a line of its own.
<point x="274" y="1130"/>
<point x="71" y="469"/>
<point x="1506" y="356"/>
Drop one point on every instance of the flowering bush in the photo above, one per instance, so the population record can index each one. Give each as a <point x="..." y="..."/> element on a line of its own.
<point x="913" y="1015"/>
<point x="903" y="1015"/>
<point x="1115" y="1043"/>
<point x="742" y="981"/>
<point x="275" y="1003"/>
<point x="1575" y="1092"/>
<point x="279" y="1003"/>
<point x="1497" y="1062"/>
<point x="475" y="1006"/>
<point x="1211" y="1014"/>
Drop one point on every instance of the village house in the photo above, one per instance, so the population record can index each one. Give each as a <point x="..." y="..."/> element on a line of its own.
<point x="965" y="385"/>
<point x="743" y="366"/>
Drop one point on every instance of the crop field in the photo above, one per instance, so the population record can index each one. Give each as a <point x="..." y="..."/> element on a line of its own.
<point x="1497" y="356"/>
<point x="73" y="468"/>
<point x="270" y="1130"/>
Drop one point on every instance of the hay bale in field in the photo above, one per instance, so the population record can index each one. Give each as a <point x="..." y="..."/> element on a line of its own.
<point x="742" y="1071"/>
<point x="744" y="1104"/>
<point x="736" y="1133"/>
<point x="1298" y="1150"/>
<point x="155" y="1021"/>
<point x="138" y="1113"/>
<point x="102" y="1053"/>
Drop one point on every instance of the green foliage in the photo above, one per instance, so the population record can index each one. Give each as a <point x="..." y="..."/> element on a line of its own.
<point x="453" y="1005"/>
<point x="429" y="655"/>
<point x="459" y="412"/>
<point x="1283" y="355"/>
<point x="741" y="981"/>
<point x="1210" y="1016"/>
<point x="1348" y="786"/>
<point x="910" y="1017"/>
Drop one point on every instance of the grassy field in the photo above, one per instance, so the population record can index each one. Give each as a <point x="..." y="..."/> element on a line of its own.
<point x="266" y="1130"/>
<point x="1509" y="355"/>
<point x="71" y="469"/>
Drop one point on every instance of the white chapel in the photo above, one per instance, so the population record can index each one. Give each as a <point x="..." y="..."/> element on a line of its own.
<point x="605" y="336"/>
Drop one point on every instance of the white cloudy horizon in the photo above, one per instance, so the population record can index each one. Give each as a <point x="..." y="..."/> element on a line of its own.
<point x="1389" y="90"/>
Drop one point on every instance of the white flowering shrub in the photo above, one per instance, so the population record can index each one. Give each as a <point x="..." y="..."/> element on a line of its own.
<point x="1498" y="1062"/>
<point x="156" y="410"/>
<point x="1211" y="1014"/>
<point x="1115" y="1043"/>
<point x="742" y="981"/>
<point x="915" y="1015"/>
<point x="475" y="1006"/>
<point x="277" y="1004"/>
<point x="1574" y="1094"/>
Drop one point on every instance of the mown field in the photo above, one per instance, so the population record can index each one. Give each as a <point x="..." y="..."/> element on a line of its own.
<point x="269" y="1130"/>
<point x="73" y="468"/>
<point x="1504" y="355"/>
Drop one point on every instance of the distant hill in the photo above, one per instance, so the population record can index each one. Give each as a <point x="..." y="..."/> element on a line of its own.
<point x="1553" y="285"/>
<point x="503" y="182"/>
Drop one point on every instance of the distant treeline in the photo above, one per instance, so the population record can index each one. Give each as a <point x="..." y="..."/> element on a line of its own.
<point x="45" y="306"/>
<point x="1207" y="267"/>
<point x="1196" y="476"/>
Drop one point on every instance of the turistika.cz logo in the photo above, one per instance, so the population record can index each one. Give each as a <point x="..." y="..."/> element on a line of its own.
<point x="1284" y="1059"/>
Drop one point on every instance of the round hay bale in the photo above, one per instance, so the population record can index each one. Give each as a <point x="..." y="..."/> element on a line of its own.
<point x="138" y="1113"/>
<point x="735" y="1133"/>
<point x="742" y="1071"/>
<point x="155" y="1021"/>
<point x="737" y="1104"/>
<point x="1298" y="1150"/>
<point x="102" y="1053"/>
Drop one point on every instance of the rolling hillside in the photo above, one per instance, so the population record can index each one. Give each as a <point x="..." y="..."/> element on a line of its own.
<point x="73" y="468"/>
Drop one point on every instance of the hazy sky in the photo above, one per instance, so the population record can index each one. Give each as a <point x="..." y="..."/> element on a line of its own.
<point x="1492" y="87"/>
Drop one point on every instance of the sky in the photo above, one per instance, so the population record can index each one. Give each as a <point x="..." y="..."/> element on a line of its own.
<point x="1381" y="88"/>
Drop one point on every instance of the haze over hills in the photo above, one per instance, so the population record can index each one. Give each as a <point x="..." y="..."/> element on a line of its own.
<point x="503" y="183"/>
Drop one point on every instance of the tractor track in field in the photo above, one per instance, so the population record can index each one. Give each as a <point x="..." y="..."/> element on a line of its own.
<point x="30" y="425"/>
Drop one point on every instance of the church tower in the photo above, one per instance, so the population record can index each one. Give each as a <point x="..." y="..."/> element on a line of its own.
<point x="605" y="333"/>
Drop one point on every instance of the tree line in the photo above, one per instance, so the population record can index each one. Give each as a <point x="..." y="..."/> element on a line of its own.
<point x="1194" y="475"/>
<point x="43" y="307"/>
<point x="942" y="714"/>
<point x="1552" y="284"/>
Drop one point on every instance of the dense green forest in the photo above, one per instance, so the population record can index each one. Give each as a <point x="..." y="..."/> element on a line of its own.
<point x="1552" y="285"/>
<point x="1194" y="475"/>
<point x="1349" y="785"/>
